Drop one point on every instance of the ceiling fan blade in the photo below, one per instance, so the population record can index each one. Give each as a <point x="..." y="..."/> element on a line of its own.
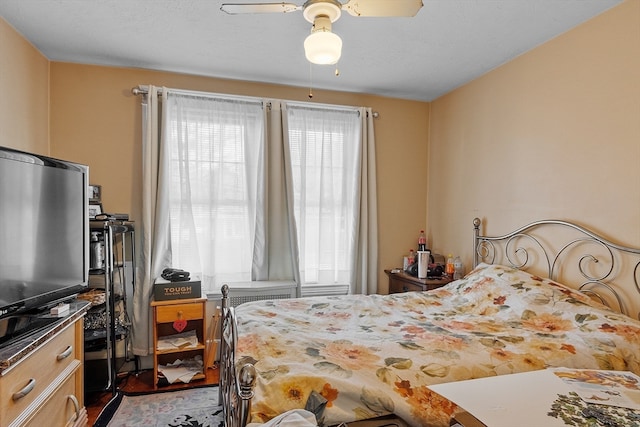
<point x="238" y="8"/>
<point x="380" y="8"/>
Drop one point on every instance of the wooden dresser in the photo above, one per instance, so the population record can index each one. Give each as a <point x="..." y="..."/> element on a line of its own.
<point x="42" y="377"/>
<point x="403" y="282"/>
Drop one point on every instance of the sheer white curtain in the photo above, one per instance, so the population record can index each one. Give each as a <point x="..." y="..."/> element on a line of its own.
<point x="329" y="149"/>
<point x="216" y="150"/>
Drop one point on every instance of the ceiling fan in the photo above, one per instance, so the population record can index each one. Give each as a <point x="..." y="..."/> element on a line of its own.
<point x="322" y="46"/>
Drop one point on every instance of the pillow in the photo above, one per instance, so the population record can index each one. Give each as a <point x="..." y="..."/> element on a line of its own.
<point x="497" y="289"/>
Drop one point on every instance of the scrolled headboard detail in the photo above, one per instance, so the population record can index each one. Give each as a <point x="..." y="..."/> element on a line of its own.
<point x="570" y="254"/>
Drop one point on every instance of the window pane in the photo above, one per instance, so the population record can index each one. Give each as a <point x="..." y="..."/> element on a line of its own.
<point x="213" y="164"/>
<point x="324" y="147"/>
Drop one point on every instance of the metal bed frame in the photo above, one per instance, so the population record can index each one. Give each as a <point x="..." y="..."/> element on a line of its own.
<point x="565" y="251"/>
<point x="599" y="263"/>
<point x="236" y="387"/>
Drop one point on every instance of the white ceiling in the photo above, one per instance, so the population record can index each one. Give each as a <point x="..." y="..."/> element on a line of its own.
<point x="448" y="43"/>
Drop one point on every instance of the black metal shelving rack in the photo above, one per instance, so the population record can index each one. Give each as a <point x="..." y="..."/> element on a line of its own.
<point x="119" y="247"/>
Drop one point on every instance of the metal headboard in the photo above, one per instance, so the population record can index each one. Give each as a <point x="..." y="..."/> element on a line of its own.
<point x="236" y="388"/>
<point x="560" y="249"/>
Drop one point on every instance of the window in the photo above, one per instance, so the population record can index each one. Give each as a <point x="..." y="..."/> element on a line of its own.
<point x="217" y="158"/>
<point x="213" y="147"/>
<point x="324" y="149"/>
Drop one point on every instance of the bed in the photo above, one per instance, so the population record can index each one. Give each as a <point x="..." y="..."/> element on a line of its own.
<point x="357" y="357"/>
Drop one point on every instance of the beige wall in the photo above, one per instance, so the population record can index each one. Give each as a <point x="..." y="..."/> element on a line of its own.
<point x="24" y="93"/>
<point x="553" y="134"/>
<point x="95" y="120"/>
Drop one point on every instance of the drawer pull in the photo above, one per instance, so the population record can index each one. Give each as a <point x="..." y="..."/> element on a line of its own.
<point x="66" y="353"/>
<point x="26" y="390"/>
<point x="76" y="405"/>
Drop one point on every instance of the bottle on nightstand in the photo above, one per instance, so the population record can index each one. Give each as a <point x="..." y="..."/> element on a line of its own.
<point x="449" y="268"/>
<point x="422" y="241"/>
<point x="458" y="266"/>
<point x="407" y="260"/>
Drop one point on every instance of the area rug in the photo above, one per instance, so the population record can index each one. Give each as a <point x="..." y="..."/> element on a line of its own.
<point x="196" y="407"/>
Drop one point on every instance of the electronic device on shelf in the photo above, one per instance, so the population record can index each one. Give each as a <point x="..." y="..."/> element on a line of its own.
<point x="175" y="275"/>
<point x="111" y="217"/>
<point x="434" y="270"/>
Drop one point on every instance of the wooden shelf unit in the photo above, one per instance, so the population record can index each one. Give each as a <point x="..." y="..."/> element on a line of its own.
<point x="165" y="313"/>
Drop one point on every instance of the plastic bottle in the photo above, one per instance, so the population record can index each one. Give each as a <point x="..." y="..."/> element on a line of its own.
<point x="412" y="256"/>
<point x="450" y="268"/>
<point x="458" y="267"/>
<point x="422" y="241"/>
<point x="406" y="260"/>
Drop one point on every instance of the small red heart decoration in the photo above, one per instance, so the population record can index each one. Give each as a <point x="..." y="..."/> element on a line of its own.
<point x="179" y="325"/>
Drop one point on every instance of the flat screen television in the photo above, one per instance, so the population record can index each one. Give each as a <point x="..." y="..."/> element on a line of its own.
<point x="44" y="237"/>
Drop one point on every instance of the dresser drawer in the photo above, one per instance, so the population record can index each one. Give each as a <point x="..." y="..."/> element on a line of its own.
<point x="24" y="383"/>
<point x="169" y="313"/>
<point x="398" y="286"/>
<point x="63" y="408"/>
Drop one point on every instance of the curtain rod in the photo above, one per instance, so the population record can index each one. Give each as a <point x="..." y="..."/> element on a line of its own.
<point x="143" y="90"/>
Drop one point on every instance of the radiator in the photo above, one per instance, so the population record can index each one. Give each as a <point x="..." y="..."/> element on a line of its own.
<point x="241" y="292"/>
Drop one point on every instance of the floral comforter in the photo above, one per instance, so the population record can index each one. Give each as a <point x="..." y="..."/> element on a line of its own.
<point x="373" y="355"/>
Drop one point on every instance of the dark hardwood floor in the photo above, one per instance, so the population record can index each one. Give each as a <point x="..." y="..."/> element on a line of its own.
<point x="137" y="383"/>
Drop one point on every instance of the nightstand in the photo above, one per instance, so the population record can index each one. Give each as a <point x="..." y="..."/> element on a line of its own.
<point x="403" y="282"/>
<point x="189" y="316"/>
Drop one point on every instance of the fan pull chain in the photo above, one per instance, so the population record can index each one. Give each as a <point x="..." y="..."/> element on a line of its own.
<point x="337" y="72"/>
<point x="310" y="81"/>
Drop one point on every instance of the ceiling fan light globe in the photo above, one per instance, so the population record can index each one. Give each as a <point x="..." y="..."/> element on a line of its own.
<point x="323" y="48"/>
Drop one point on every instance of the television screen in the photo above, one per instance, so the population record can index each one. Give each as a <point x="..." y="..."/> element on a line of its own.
<point x="43" y="230"/>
